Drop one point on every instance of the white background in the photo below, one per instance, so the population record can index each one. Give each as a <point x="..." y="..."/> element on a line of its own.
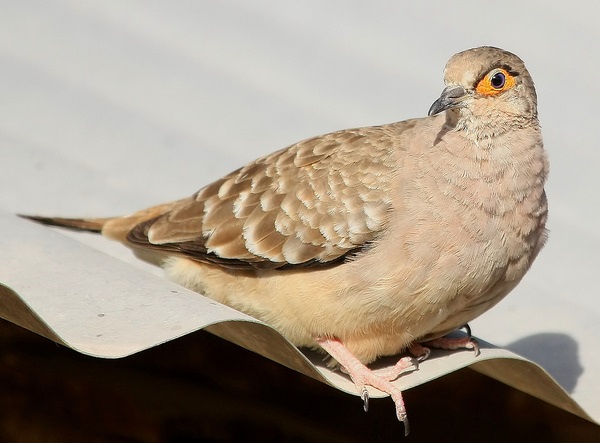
<point x="109" y="107"/>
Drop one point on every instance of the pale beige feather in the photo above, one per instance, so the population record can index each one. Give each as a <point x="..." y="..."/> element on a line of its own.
<point x="307" y="205"/>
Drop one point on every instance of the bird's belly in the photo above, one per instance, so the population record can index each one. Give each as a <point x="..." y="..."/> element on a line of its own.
<point x="377" y="304"/>
<point x="437" y="283"/>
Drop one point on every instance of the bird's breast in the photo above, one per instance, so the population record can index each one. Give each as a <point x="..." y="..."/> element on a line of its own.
<point x="467" y="224"/>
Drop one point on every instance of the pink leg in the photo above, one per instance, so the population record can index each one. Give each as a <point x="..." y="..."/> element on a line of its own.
<point x="363" y="376"/>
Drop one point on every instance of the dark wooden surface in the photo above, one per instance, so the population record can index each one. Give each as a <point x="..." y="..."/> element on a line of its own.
<point x="202" y="388"/>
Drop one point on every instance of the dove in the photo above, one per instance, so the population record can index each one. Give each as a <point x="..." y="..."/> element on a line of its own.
<point x="372" y="241"/>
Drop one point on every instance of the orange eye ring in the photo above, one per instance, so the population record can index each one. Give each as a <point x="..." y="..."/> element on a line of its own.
<point x="495" y="82"/>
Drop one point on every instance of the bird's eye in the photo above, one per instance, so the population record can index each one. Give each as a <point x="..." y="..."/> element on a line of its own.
<point x="495" y="81"/>
<point x="498" y="80"/>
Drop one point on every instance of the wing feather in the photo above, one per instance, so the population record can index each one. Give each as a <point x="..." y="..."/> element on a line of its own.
<point x="308" y="205"/>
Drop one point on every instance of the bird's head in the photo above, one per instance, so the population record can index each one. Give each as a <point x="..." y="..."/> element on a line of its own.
<point x="488" y="92"/>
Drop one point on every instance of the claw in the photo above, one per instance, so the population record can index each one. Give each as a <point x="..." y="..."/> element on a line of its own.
<point x="365" y="399"/>
<point x="406" y="425"/>
<point x="472" y="342"/>
<point x="467" y="329"/>
<point x="420" y="352"/>
<point x="415" y="363"/>
<point x="475" y="347"/>
<point x="401" y="411"/>
<point x="424" y="356"/>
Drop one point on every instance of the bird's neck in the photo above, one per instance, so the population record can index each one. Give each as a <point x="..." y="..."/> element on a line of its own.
<point x="483" y="130"/>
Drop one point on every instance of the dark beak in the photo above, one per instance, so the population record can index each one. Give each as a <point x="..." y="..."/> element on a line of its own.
<point x="451" y="96"/>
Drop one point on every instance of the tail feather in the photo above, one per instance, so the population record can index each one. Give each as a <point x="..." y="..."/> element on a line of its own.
<point x="115" y="228"/>
<point x="78" y="224"/>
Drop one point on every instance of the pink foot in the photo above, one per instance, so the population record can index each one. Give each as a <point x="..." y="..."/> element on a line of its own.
<point x="363" y="376"/>
<point x="451" y="344"/>
<point x="403" y="365"/>
<point x="419" y="351"/>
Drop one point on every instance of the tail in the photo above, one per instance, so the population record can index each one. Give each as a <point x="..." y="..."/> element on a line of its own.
<point x="115" y="228"/>
<point x="77" y="224"/>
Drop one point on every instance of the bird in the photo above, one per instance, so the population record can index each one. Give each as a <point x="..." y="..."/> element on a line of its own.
<point x="371" y="241"/>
